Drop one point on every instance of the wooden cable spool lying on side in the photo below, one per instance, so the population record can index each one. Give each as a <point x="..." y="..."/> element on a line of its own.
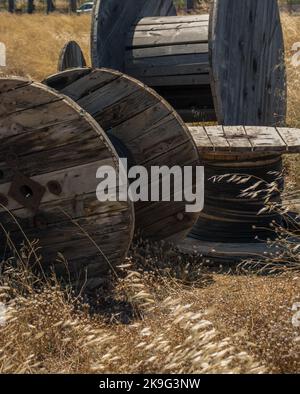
<point x="145" y="129"/>
<point x="227" y="66"/>
<point x="230" y="227"/>
<point x="50" y="152"/>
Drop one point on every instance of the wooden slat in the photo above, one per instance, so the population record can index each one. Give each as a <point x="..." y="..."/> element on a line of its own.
<point x="237" y="138"/>
<point x="13" y="83"/>
<point x="156" y="71"/>
<point x="266" y="139"/>
<point x="173" y="19"/>
<point x="291" y="137"/>
<point x="181" y="80"/>
<point x="168" y="61"/>
<point x="167" y="37"/>
<point x="217" y="137"/>
<point x="169" y="26"/>
<point x="201" y="139"/>
<point x="25" y="98"/>
<point x="167" y="50"/>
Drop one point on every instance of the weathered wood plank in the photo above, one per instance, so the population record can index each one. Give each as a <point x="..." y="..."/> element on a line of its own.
<point x="168" y="61"/>
<point x="174" y="80"/>
<point x="22" y="99"/>
<point x="291" y="137"/>
<point x="167" y="50"/>
<point x="145" y="70"/>
<point x="13" y="83"/>
<point x="237" y="138"/>
<point x="166" y="25"/>
<point x="217" y="137"/>
<point x="154" y="20"/>
<point x="265" y="139"/>
<point x="201" y="138"/>
<point x="177" y="36"/>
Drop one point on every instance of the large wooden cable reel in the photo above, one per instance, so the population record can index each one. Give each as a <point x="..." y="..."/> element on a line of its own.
<point x="228" y="65"/>
<point x="145" y="129"/>
<point x="50" y="152"/>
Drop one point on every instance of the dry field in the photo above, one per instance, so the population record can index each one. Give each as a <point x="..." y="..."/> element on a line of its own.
<point x="186" y="318"/>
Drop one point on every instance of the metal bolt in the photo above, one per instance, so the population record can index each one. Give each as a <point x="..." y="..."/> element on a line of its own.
<point x="54" y="188"/>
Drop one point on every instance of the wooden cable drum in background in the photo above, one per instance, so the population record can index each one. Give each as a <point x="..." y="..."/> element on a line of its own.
<point x="227" y="66"/>
<point x="71" y="56"/>
<point x="50" y="152"/>
<point x="145" y="129"/>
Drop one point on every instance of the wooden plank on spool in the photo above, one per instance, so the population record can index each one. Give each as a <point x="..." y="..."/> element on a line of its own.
<point x="182" y="35"/>
<point x="154" y="20"/>
<point x="71" y="56"/>
<point x="174" y="80"/>
<point x="49" y="189"/>
<point x="237" y="138"/>
<point x="165" y="25"/>
<point x="264" y="139"/>
<point x="169" y="61"/>
<point x="14" y="83"/>
<point x="291" y="137"/>
<point x="145" y="129"/>
<point x="217" y="137"/>
<point x="167" y="50"/>
<point x="178" y="69"/>
<point x="111" y="21"/>
<point x="247" y="62"/>
<point x="201" y="139"/>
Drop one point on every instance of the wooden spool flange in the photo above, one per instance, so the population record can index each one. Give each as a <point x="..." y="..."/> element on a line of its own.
<point x="50" y="152"/>
<point x="144" y="128"/>
<point x="71" y="56"/>
<point x="227" y="66"/>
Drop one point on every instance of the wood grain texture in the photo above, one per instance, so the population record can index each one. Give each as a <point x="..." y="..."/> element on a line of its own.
<point x="111" y="21"/>
<point x="145" y="129"/>
<point x="50" y="138"/>
<point x="246" y="139"/>
<point x="171" y="53"/>
<point x="71" y="56"/>
<point x="247" y="62"/>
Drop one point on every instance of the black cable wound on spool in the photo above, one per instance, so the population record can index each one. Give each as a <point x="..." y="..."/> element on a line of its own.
<point x="230" y="217"/>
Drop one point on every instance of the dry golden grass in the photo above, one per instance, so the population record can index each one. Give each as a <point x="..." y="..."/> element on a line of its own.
<point x="34" y="42"/>
<point x="47" y="330"/>
<point x="177" y="320"/>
